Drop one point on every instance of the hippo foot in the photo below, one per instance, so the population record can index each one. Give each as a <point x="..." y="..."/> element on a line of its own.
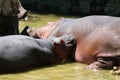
<point x="115" y="71"/>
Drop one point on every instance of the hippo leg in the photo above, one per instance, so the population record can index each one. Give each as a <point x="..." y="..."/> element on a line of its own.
<point x="106" y="60"/>
<point x="101" y="63"/>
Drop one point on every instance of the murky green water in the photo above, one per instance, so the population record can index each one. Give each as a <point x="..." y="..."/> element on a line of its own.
<point x="63" y="71"/>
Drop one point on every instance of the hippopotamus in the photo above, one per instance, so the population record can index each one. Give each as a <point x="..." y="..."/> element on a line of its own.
<point x="20" y="52"/>
<point x="97" y="39"/>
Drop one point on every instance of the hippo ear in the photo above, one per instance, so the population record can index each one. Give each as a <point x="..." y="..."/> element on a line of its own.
<point x="55" y="44"/>
<point x="62" y="42"/>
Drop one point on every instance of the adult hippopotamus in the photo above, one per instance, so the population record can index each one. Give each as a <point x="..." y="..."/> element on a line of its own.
<point x="97" y="39"/>
<point x="19" y="52"/>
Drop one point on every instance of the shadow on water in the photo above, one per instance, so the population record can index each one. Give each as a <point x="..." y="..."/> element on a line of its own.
<point x="35" y="67"/>
<point x="63" y="71"/>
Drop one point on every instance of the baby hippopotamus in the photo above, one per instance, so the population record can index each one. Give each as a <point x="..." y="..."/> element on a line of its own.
<point x="19" y="52"/>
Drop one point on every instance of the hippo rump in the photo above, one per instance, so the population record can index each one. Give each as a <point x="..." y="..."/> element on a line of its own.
<point x="97" y="39"/>
<point x="20" y="53"/>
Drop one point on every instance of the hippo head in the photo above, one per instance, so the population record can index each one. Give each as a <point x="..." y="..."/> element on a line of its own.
<point x="45" y="31"/>
<point x="42" y="32"/>
<point x="64" y="46"/>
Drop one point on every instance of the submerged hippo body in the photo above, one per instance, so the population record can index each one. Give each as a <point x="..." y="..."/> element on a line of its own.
<point x="18" y="52"/>
<point x="97" y="39"/>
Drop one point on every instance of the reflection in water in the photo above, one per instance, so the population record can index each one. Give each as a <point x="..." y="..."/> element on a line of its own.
<point x="65" y="71"/>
